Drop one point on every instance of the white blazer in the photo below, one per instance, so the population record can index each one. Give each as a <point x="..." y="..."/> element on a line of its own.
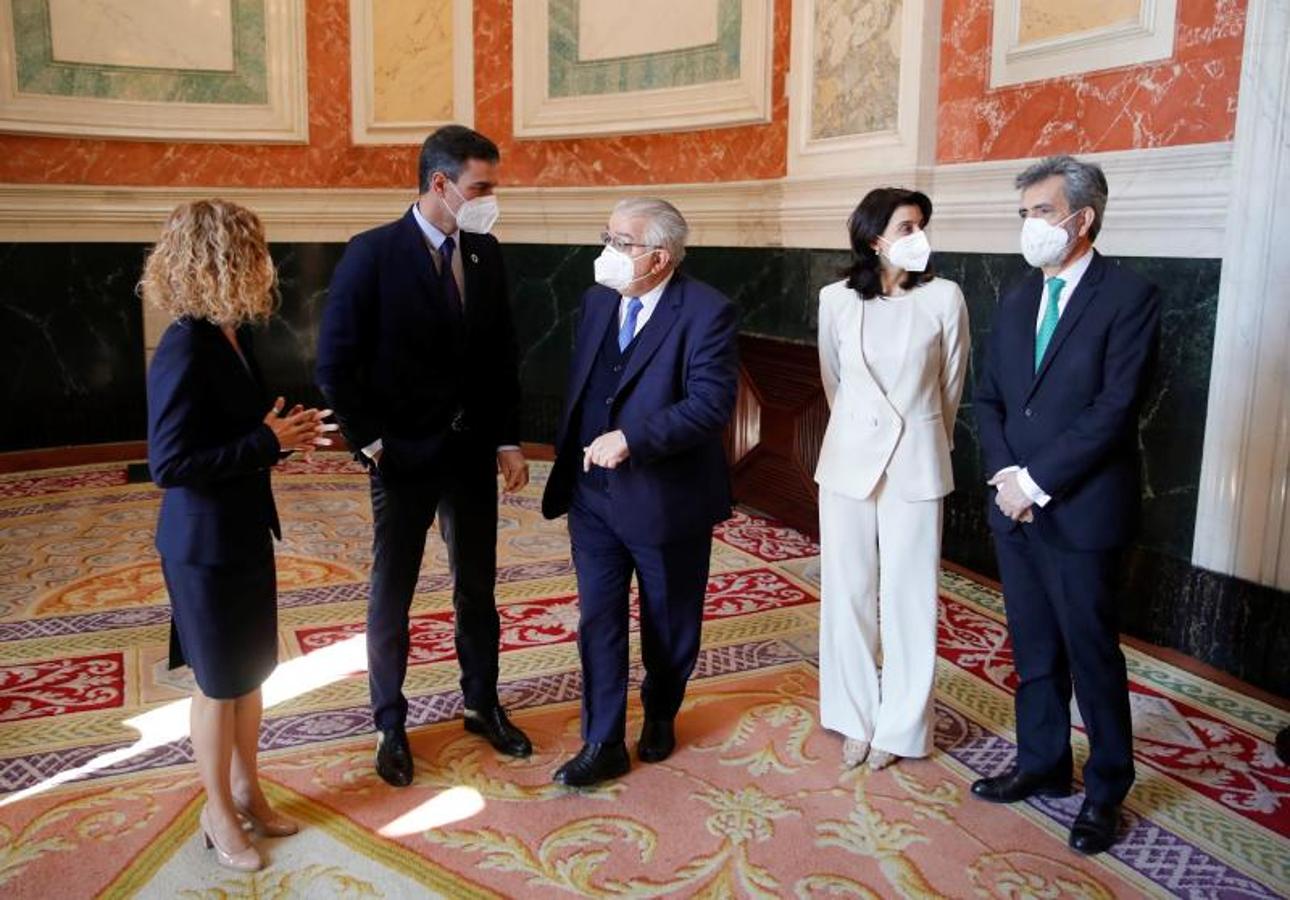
<point x="909" y="432"/>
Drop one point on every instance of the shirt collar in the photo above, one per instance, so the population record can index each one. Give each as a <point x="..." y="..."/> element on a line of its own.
<point x="432" y="234"/>
<point x="1072" y="274"/>
<point x="650" y="298"/>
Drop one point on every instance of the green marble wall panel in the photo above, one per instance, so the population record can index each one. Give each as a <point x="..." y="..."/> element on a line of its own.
<point x="570" y="76"/>
<point x="40" y="73"/>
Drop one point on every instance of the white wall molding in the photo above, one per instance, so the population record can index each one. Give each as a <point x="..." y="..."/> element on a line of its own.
<point x="283" y="118"/>
<point x="537" y="114"/>
<point x="1243" y="512"/>
<point x="1169" y="202"/>
<point x="912" y="141"/>
<point x="1147" y="39"/>
<point x="362" y="70"/>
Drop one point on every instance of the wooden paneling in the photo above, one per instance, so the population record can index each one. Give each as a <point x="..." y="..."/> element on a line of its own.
<point x="779" y="421"/>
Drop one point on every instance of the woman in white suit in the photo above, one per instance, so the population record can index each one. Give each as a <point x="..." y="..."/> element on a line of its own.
<point x="893" y="346"/>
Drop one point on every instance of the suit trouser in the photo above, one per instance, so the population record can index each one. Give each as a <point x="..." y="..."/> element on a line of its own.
<point x="463" y="492"/>
<point x="1063" y="623"/>
<point x="672" y="578"/>
<point x="879" y="564"/>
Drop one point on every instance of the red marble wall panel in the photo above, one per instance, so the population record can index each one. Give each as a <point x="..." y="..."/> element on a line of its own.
<point x="331" y="160"/>
<point x="1188" y="99"/>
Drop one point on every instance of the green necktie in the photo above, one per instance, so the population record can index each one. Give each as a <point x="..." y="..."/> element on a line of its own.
<point x="1049" y="323"/>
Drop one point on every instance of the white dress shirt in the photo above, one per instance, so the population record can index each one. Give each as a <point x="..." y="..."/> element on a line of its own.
<point x="648" y="300"/>
<point x="434" y="240"/>
<point x="1071" y="276"/>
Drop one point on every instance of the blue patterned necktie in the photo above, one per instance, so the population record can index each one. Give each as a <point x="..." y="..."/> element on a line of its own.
<point x="1049" y="323"/>
<point x="628" y="331"/>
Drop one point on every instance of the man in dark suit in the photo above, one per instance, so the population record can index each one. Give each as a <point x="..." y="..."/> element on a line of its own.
<point x="641" y="471"/>
<point x="1070" y="351"/>
<point x="417" y="356"/>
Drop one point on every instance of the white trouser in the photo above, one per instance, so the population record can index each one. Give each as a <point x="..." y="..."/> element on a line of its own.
<point x="879" y="564"/>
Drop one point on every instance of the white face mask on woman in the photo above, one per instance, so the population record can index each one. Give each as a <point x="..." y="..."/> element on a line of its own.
<point x="616" y="270"/>
<point x="910" y="252"/>
<point x="1045" y="245"/>
<point x="477" y="216"/>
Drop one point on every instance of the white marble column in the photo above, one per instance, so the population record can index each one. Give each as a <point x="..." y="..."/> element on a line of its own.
<point x="1243" y="515"/>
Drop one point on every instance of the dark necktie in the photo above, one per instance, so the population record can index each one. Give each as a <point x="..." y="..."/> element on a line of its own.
<point x="446" y="278"/>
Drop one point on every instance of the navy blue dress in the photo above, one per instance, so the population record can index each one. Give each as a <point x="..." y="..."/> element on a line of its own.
<point x="209" y="448"/>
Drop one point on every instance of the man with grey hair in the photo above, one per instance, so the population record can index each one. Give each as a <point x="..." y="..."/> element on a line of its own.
<point x="1070" y="352"/>
<point x="641" y="471"/>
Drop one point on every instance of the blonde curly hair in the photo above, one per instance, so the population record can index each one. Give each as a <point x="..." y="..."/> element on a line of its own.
<point x="211" y="262"/>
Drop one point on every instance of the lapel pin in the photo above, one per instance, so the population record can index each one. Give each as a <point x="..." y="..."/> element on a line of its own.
<point x="474" y="258"/>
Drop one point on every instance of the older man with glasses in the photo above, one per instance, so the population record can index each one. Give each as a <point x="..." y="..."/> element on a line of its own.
<point x="641" y="471"/>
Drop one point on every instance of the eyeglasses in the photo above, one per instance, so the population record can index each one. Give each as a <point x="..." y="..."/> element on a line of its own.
<point x="612" y="240"/>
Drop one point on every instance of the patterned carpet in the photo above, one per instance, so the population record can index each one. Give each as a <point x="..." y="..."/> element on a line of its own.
<point x="100" y="796"/>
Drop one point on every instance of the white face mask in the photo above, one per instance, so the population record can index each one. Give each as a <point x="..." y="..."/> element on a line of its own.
<point x="616" y="270"/>
<point x="477" y="216"/>
<point x="910" y="252"/>
<point x="1045" y="245"/>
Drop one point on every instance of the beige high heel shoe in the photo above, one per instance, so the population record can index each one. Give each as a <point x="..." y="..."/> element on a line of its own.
<point x="247" y="859"/>
<point x="854" y="752"/>
<point x="278" y="826"/>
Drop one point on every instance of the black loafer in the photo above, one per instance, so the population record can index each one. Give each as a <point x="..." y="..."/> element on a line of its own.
<point x="1094" y="828"/>
<point x="658" y="740"/>
<point x="593" y="764"/>
<point x="1015" y="785"/>
<point x="498" y="731"/>
<point x="394" y="757"/>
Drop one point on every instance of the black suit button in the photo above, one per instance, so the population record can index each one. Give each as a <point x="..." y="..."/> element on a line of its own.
<point x="618" y="368"/>
<point x="1028" y="412"/>
<point x="609" y="401"/>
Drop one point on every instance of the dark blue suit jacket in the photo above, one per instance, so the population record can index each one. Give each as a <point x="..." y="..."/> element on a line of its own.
<point x="397" y="362"/>
<point x="673" y="401"/>
<point x="209" y="448"/>
<point x="1074" y="423"/>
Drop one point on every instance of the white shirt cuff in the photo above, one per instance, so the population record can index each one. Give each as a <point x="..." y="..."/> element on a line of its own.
<point x="1004" y="471"/>
<point x="1032" y="490"/>
<point x="373" y="448"/>
<point x="508" y="447"/>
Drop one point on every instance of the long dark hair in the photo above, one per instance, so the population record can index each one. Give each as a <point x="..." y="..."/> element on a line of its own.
<point x="867" y="222"/>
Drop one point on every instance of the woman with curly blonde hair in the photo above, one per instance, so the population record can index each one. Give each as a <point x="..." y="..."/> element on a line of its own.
<point x="211" y="446"/>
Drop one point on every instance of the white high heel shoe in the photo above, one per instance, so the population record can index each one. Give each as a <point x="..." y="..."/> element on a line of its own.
<point x="854" y="752"/>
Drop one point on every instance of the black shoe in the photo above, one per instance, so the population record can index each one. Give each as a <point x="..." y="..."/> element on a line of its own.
<point x="1094" y="828"/>
<point x="658" y="740"/>
<point x="593" y="764"/>
<point x="394" y="756"/>
<point x="498" y="731"/>
<point x="1015" y="785"/>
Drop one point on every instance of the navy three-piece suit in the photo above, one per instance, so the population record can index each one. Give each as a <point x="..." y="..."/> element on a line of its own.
<point x="1073" y="424"/>
<point x="671" y="391"/>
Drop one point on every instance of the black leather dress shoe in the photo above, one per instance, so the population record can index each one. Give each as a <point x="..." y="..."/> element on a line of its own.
<point x="1095" y="827"/>
<point x="1015" y="785"/>
<point x="593" y="764"/>
<point x="394" y="756"/>
<point x="498" y="731"/>
<point x="658" y="740"/>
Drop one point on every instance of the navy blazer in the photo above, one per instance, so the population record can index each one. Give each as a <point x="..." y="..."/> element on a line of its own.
<point x="673" y="401"/>
<point x="1074" y="423"/>
<point x="209" y="448"/>
<point x="398" y="360"/>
